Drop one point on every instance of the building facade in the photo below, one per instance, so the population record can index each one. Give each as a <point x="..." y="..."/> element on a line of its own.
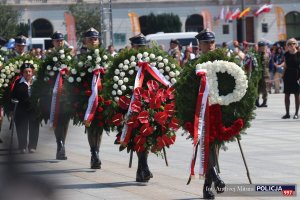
<point x="280" y="23"/>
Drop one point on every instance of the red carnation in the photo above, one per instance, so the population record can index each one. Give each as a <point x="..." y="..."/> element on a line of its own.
<point x="107" y="102"/>
<point x="152" y="85"/>
<point x="124" y="102"/>
<point x="117" y="119"/>
<point x="100" y="99"/>
<point x="143" y="117"/>
<point x="99" y="109"/>
<point x="161" y="117"/>
<point x="136" y="106"/>
<point x="88" y="93"/>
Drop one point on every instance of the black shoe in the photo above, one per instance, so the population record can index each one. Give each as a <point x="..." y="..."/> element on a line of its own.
<point x="257" y="103"/>
<point x="219" y="184"/>
<point x="286" y="117"/>
<point x="207" y="193"/>
<point x="263" y="105"/>
<point x="95" y="161"/>
<point x="295" y="117"/>
<point x="61" y="152"/>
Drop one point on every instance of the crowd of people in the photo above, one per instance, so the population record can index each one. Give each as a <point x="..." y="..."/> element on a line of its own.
<point x="279" y="65"/>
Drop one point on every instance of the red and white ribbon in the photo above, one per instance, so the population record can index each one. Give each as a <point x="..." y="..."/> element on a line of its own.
<point x="201" y="125"/>
<point x="93" y="99"/>
<point x="139" y="79"/>
<point x="55" y="102"/>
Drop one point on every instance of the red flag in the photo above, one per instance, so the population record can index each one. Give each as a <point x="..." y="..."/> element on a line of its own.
<point x="236" y="13"/>
<point x="264" y="9"/>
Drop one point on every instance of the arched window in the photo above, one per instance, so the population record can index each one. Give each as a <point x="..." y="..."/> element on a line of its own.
<point x="194" y="23"/>
<point x="42" y="28"/>
<point x="292" y="25"/>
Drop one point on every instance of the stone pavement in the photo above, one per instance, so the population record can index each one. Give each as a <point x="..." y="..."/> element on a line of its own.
<point x="271" y="147"/>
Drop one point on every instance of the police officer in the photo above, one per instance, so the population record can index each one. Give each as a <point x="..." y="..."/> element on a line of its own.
<point x="143" y="173"/>
<point x="20" y="47"/>
<point x="264" y="82"/>
<point x="25" y="116"/>
<point x="91" y="41"/>
<point x="61" y="129"/>
<point x="206" y="40"/>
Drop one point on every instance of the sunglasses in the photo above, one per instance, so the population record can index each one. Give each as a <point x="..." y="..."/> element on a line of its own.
<point x="290" y="44"/>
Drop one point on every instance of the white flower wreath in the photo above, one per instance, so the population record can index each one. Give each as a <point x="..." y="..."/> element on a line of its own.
<point x="130" y="66"/>
<point x="241" y="82"/>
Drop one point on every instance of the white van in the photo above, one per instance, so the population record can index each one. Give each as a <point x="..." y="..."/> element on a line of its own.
<point x="185" y="38"/>
<point x="42" y="43"/>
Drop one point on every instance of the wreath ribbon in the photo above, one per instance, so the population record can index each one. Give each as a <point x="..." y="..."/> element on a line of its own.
<point x="55" y="102"/>
<point x="201" y="127"/>
<point x="93" y="99"/>
<point x="139" y="79"/>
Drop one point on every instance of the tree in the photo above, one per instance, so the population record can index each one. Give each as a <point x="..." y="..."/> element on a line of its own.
<point x="167" y="23"/>
<point x="8" y="21"/>
<point x="85" y="17"/>
<point x="22" y="29"/>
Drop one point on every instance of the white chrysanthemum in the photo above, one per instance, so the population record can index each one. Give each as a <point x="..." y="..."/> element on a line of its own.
<point x="117" y="71"/>
<point x="82" y="73"/>
<point x="35" y="66"/>
<point x="161" y="71"/>
<point x="116" y="99"/>
<point x="167" y="69"/>
<point x="89" y="57"/>
<point x="69" y="58"/>
<point x="131" y="87"/>
<point x="145" y="54"/>
<point x="130" y="72"/>
<point x="105" y="57"/>
<point x="172" y="74"/>
<point x="90" y="70"/>
<point x="132" y="58"/>
<point x="126" y="62"/>
<point x="120" y="82"/>
<point x="97" y="51"/>
<point x="177" y="73"/>
<point x="98" y="59"/>
<point x="54" y="68"/>
<point x="160" y="65"/>
<point x="167" y="77"/>
<point x="80" y="64"/>
<point x="6" y="80"/>
<point x="125" y="67"/>
<point x="115" y="86"/>
<point x="166" y="61"/>
<point x="62" y="56"/>
<point x="173" y="66"/>
<point x="17" y="62"/>
<point x="7" y="71"/>
<point x="152" y="56"/>
<point x="0" y="85"/>
<point x="73" y="71"/>
<point x="31" y="62"/>
<point x="1" y="80"/>
<point x="159" y="58"/>
<point x="12" y="69"/>
<point x="114" y="92"/>
<point x="9" y="76"/>
<point x="139" y="56"/>
<point x="173" y="80"/>
<point x="10" y="65"/>
<point x="121" y="65"/>
<point x="119" y="92"/>
<point x="78" y="79"/>
<point x="116" y="78"/>
<point x="133" y="64"/>
<point x="123" y="87"/>
<point x="5" y="85"/>
<point x="105" y="66"/>
<point x="125" y="80"/>
<point x="147" y="59"/>
<point x="61" y="51"/>
<point x="122" y="74"/>
<point x="71" y="79"/>
<point x="13" y="73"/>
<point x="3" y="76"/>
<point x="54" y="59"/>
<point x="136" y="68"/>
<point x="51" y="73"/>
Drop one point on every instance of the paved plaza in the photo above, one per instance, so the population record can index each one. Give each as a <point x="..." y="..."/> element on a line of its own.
<point x="271" y="148"/>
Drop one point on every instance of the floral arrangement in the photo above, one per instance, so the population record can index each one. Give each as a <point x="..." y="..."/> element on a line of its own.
<point x="232" y="96"/>
<point x="87" y="82"/>
<point x="143" y="107"/>
<point x="56" y="66"/>
<point x="10" y="72"/>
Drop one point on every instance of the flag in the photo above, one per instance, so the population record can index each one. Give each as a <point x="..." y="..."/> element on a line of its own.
<point x="244" y="12"/>
<point x="135" y="22"/>
<point x="236" y="13"/>
<point x="222" y="14"/>
<point x="71" y="30"/>
<point x="264" y="9"/>
<point x="228" y="16"/>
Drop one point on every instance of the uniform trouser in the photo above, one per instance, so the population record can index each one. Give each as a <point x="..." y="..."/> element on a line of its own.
<point x="61" y="129"/>
<point x="94" y="138"/>
<point x="23" y="125"/>
<point x="262" y="88"/>
<point x="212" y="162"/>
<point x="277" y="80"/>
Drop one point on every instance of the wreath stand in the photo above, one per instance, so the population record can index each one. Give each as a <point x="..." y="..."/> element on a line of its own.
<point x="244" y="160"/>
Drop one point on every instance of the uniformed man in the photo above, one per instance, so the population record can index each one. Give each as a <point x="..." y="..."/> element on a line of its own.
<point x="206" y="40"/>
<point x="143" y="173"/>
<point x="61" y="129"/>
<point x="264" y="82"/>
<point x="174" y="50"/>
<point x="91" y="40"/>
<point x="20" y="47"/>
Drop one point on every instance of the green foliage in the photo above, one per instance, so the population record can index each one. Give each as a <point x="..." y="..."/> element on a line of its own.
<point x="8" y="21"/>
<point x="167" y="23"/>
<point x="186" y="102"/>
<point x="85" y="17"/>
<point x="22" y="29"/>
